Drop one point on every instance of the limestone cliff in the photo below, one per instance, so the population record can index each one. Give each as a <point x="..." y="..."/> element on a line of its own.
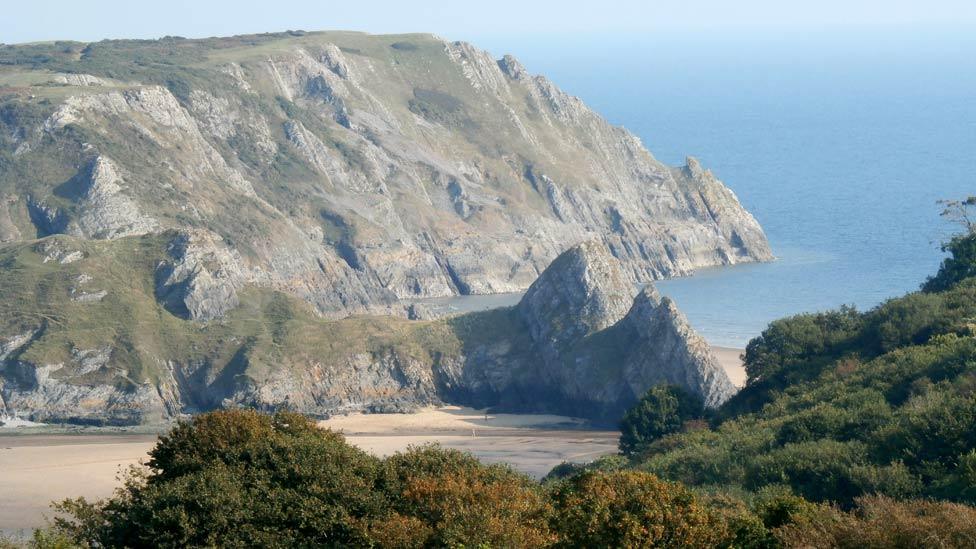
<point x="98" y="332"/>
<point x="344" y="169"/>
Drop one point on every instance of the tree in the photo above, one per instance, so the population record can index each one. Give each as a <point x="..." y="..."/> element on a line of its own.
<point x="960" y="265"/>
<point x="961" y="212"/>
<point x="238" y="478"/>
<point x="447" y="498"/>
<point x="662" y="411"/>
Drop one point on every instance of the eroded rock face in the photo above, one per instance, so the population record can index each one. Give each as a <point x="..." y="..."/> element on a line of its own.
<point x="201" y="280"/>
<point x="670" y="351"/>
<point x="578" y="344"/>
<point x="583" y="291"/>
<point x="83" y="390"/>
<point x="352" y="173"/>
<point x="603" y="348"/>
<point x="106" y="212"/>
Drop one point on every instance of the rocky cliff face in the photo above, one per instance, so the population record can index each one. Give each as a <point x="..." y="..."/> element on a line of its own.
<point x="344" y="169"/>
<point x="578" y="343"/>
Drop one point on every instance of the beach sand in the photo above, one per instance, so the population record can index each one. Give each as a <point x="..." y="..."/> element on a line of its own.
<point x="731" y="361"/>
<point x="38" y="469"/>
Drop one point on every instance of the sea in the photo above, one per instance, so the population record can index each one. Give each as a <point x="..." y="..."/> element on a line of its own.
<point x="840" y="142"/>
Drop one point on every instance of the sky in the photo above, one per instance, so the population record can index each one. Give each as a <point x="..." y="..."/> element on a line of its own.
<point x="90" y="20"/>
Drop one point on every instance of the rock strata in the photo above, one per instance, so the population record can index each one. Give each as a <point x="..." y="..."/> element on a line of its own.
<point x="349" y="170"/>
<point x="578" y="343"/>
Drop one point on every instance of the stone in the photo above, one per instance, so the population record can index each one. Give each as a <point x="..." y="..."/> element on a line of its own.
<point x="504" y="172"/>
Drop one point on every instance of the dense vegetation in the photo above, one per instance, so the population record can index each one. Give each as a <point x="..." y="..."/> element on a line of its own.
<point x="843" y="404"/>
<point x="662" y="411"/>
<point x="242" y="478"/>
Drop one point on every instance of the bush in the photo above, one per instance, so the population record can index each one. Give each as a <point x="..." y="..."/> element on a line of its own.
<point x="631" y="509"/>
<point x="605" y="464"/>
<point x="237" y="478"/>
<point x="909" y="320"/>
<point x="818" y="470"/>
<point x="790" y="341"/>
<point x="960" y="265"/>
<point x="447" y="498"/>
<point x="662" y="411"/>
<point x="880" y="522"/>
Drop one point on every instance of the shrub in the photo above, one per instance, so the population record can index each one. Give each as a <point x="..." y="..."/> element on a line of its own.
<point x="818" y="470"/>
<point x="447" y="498"/>
<point x="960" y="265"/>
<point x="909" y="320"/>
<point x="662" y="411"/>
<point x="631" y="509"/>
<point x="790" y="341"/>
<point x="237" y="478"/>
<point x="880" y="522"/>
<point x="606" y="464"/>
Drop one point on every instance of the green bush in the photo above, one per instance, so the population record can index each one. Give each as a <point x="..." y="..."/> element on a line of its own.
<point x="960" y="265"/>
<point x="791" y="341"/>
<point x="662" y="411"/>
<point x="238" y="478"/>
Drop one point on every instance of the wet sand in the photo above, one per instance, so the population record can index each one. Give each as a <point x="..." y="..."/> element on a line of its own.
<point x="38" y="469"/>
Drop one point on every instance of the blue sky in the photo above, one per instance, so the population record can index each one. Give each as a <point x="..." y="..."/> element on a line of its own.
<point x="458" y="19"/>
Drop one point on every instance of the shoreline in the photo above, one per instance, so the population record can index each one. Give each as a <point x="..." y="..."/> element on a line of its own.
<point x="45" y="464"/>
<point x="39" y="468"/>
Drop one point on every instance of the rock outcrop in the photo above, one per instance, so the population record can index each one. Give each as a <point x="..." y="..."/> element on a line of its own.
<point x="201" y="278"/>
<point x="670" y="351"/>
<point x="582" y="292"/>
<point x="345" y="169"/>
<point x="188" y="333"/>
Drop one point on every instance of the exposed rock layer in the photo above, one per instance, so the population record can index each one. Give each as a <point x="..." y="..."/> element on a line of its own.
<point x="578" y="343"/>
<point x="345" y="169"/>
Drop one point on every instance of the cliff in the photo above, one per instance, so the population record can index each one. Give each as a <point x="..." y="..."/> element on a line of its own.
<point x="343" y="169"/>
<point x="91" y="334"/>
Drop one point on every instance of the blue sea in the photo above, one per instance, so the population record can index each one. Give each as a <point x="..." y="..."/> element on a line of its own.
<point x="840" y="143"/>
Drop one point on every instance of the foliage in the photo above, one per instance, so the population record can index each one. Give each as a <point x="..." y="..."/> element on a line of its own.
<point x="662" y="411"/>
<point x="631" y="509"/>
<point x="881" y="522"/>
<point x="800" y="339"/>
<point x="241" y="478"/>
<point x="606" y="464"/>
<point x="452" y="499"/>
<point x="238" y="478"/>
<point x="960" y="264"/>
<point x="842" y="405"/>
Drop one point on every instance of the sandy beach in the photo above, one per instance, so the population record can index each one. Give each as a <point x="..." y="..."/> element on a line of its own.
<point x="731" y="361"/>
<point x="39" y="468"/>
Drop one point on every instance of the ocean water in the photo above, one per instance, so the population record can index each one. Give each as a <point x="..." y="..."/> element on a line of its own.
<point x="839" y="143"/>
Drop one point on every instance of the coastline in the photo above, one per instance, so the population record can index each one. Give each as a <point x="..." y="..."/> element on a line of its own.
<point x="44" y="464"/>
